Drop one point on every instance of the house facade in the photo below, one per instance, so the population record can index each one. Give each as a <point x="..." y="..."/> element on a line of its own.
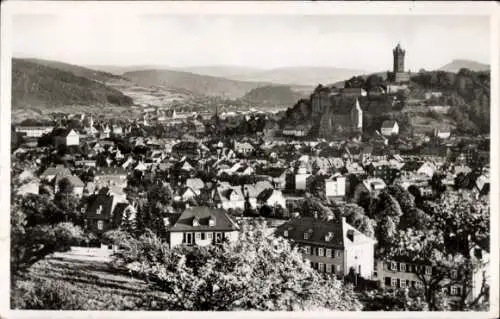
<point x="202" y="226"/>
<point x="389" y="127"/>
<point x="331" y="246"/>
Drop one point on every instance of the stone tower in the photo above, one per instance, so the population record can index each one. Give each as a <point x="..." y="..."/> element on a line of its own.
<point x="399" y="59"/>
<point x="399" y="75"/>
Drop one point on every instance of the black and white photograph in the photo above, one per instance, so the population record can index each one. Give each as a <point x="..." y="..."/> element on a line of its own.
<point x="245" y="157"/>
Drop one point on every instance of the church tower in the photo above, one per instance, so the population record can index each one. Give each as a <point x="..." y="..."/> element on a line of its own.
<point x="356" y="117"/>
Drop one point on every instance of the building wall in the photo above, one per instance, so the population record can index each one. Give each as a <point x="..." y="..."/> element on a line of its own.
<point x="175" y="239"/>
<point x="227" y="204"/>
<point x="72" y="139"/>
<point x="335" y="188"/>
<point x="360" y="257"/>
<point x="301" y="181"/>
<point x="336" y="259"/>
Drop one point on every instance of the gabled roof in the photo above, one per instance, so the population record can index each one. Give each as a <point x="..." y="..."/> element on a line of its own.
<point x="389" y="124"/>
<point x="57" y="170"/>
<point x="222" y="221"/>
<point x="73" y="180"/>
<point x="61" y="131"/>
<point x="326" y="233"/>
<point x="101" y="202"/>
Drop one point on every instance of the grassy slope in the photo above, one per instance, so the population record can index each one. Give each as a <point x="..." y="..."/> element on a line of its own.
<point x="93" y="281"/>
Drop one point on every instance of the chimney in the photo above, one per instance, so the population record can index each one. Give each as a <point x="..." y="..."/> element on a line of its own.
<point x="343" y="220"/>
<point x="187" y="205"/>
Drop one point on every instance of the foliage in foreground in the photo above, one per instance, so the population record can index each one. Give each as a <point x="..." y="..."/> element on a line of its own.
<point x="255" y="273"/>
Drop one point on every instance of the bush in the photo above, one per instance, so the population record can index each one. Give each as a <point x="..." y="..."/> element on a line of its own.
<point x="47" y="294"/>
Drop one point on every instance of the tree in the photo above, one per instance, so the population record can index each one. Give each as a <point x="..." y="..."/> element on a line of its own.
<point x="257" y="272"/>
<point x="355" y="216"/>
<point x="458" y="224"/>
<point x="32" y="240"/>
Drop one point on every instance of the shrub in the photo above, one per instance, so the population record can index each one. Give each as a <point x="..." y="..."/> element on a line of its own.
<point x="46" y="294"/>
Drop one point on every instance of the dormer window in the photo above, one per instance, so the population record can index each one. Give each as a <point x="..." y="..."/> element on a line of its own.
<point x="328" y="236"/>
<point x="285" y="233"/>
<point x="166" y="221"/>
<point x="307" y="234"/>
<point x="99" y="210"/>
<point x="211" y="221"/>
<point x="196" y="222"/>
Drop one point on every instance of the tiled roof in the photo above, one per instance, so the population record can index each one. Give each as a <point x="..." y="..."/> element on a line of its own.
<point x="57" y="170"/>
<point x="222" y="221"/>
<point x="388" y="124"/>
<point x="326" y="233"/>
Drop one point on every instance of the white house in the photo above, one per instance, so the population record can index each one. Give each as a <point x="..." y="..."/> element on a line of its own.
<point x="389" y="127"/>
<point x="201" y="226"/>
<point x="64" y="136"/>
<point x="331" y="246"/>
<point x="271" y="198"/>
<point x="428" y="169"/>
<point x="335" y="186"/>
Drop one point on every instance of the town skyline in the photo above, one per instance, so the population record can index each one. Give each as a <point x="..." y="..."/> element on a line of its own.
<point x="59" y="38"/>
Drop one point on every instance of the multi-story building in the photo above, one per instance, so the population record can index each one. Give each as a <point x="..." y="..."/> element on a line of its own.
<point x="331" y="246"/>
<point x="201" y="226"/>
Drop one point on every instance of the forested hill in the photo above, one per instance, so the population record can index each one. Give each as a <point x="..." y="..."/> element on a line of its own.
<point x="273" y="95"/>
<point x="35" y="84"/>
<point x="467" y="92"/>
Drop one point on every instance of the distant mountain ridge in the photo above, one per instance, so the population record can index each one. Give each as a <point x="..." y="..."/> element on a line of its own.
<point x="196" y="83"/>
<point x="42" y="83"/>
<point x="457" y="64"/>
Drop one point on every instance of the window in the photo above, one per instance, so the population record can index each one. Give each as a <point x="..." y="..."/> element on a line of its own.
<point x="375" y="274"/>
<point x="402" y="267"/>
<point x="321" y="252"/>
<point x="394" y="282"/>
<point x="99" y="210"/>
<point x="337" y="268"/>
<point x="285" y="233"/>
<point x="428" y="270"/>
<point x="455" y="291"/>
<point x="218" y="238"/>
<point x="321" y="267"/>
<point x="328" y="252"/>
<point x="100" y="224"/>
<point x="328" y="268"/>
<point x="413" y="283"/>
<point x="394" y="266"/>
<point x="387" y="281"/>
<point x="308" y="250"/>
<point x="202" y="236"/>
<point x="454" y="274"/>
<point x="375" y="265"/>
<point x="403" y="284"/>
<point x="210" y="236"/>
<point x="306" y="236"/>
<point x="197" y="236"/>
<point x="339" y="253"/>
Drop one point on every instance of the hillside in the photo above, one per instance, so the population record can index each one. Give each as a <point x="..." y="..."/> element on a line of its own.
<point x="93" y="74"/>
<point x="455" y="66"/>
<point x="224" y="71"/>
<point x="467" y="93"/>
<point x="196" y="83"/>
<point x="35" y="84"/>
<point x="272" y="95"/>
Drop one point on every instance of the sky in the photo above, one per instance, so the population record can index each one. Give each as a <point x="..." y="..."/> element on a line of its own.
<point x="260" y="41"/>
